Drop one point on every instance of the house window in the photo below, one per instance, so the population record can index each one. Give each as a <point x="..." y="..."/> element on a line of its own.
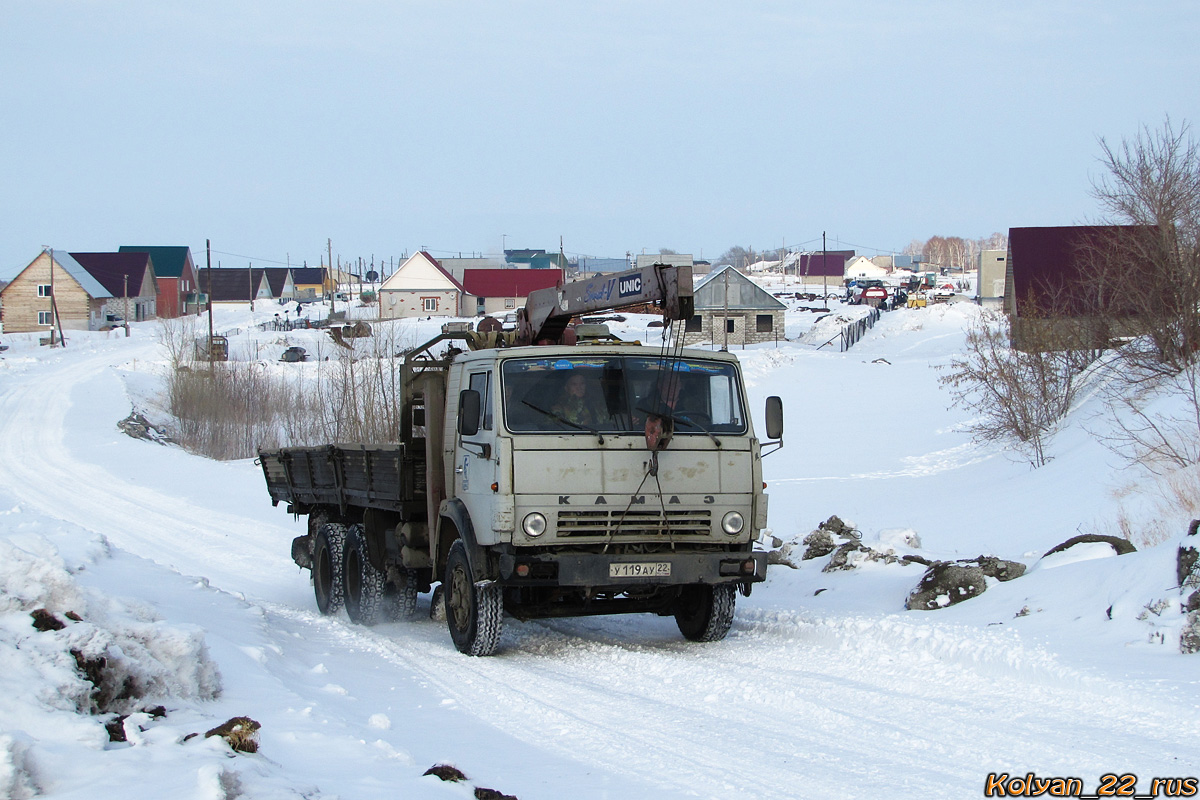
<point x="729" y="327"/>
<point x="510" y="303"/>
<point x="694" y="324"/>
<point x="45" y="318"/>
<point x="429" y="303"/>
<point x="764" y="323"/>
<point x="44" y="290"/>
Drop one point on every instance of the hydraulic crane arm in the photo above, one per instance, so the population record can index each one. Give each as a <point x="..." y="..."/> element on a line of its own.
<point x="547" y="311"/>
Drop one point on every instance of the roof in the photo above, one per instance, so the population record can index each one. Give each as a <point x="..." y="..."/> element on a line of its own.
<point x="742" y="294"/>
<point x="169" y="261"/>
<point x="276" y="278"/>
<point x="452" y="279"/>
<point x="400" y="281"/>
<point x="509" y="282"/>
<point x="308" y="275"/>
<point x="111" y="270"/>
<point x="832" y="265"/>
<point x="84" y="278"/>
<point x="1050" y="263"/>
<point x="230" y="283"/>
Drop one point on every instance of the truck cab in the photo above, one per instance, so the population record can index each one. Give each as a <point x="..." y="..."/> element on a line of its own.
<point x="603" y="479"/>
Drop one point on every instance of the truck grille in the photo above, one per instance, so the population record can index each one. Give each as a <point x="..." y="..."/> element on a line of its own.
<point x="635" y="522"/>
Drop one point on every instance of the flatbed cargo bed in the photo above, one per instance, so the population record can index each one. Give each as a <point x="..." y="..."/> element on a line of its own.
<point x="384" y="477"/>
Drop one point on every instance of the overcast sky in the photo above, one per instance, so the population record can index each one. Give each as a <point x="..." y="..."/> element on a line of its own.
<point x="270" y="127"/>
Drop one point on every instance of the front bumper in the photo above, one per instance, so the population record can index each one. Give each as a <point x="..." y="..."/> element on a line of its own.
<point x="597" y="570"/>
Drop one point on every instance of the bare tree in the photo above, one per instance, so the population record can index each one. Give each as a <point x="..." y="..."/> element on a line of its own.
<point x="1147" y="274"/>
<point x="1152" y="185"/>
<point x="1019" y="398"/>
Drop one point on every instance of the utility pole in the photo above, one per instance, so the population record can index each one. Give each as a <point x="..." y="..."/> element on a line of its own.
<point x="725" y="322"/>
<point x="208" y="261"/>
<point x="824" y="270"/>
<point x="126" y="282"/>
<point x="250" y="276"/>
<point x="54" y="317"/>
<point x="333" y="289"/>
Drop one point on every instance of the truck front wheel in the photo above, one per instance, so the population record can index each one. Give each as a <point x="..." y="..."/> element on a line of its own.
<point x="704" y="613"/>
<point x="474" y="610"/>
<point x="327" y="567"/>
<point x="364" y="585"/>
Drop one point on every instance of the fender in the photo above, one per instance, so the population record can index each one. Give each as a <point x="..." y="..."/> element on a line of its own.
<point x="454" y="512"/>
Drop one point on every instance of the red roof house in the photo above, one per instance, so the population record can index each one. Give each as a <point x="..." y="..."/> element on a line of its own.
<point x="499" y="290"/>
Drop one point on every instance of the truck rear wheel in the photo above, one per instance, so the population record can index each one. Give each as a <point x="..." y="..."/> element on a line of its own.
<point x="364" y="584"/>
<point x="704" y="613"/>
<point x="474" y="610"/>
<point x="400" y="599"/>
<point x="327" y="567"/>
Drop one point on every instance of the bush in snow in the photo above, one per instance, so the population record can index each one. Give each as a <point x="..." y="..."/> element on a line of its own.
<point x="1020" y="398"/>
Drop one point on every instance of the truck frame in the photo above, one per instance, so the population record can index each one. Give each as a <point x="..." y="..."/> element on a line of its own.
<point x="649" y="500"/>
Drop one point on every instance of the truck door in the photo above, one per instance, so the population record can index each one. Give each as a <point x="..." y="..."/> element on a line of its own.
<point x="476" y="457"/>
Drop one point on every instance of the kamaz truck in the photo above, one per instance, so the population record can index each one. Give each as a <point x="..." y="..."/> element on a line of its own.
<point x="540" y="475"/>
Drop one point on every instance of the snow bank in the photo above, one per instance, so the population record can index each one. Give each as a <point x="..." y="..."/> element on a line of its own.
<point x="89" y="658"/>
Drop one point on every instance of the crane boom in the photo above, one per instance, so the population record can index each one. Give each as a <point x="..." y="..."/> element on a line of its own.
<point x="547" y="311"/>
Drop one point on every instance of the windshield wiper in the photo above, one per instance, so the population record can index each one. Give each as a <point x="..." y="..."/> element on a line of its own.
<point x="677" y="418"/>
<point x="564" y="420"/>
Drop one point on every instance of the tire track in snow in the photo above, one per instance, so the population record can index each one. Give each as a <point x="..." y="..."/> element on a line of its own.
<point x="37" y="466"/>
<point x="785" y="707"/>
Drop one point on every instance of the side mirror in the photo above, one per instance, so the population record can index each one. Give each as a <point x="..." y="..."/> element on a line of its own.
<point x="468" y="412"/>
<point x="774" y="417"/>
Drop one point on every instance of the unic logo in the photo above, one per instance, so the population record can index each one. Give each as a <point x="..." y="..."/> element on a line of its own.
<point x="629" y="286"/>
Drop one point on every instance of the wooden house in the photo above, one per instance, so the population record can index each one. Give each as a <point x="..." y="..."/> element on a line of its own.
<point x="421" y="288"/>
<point x="730" y="309"/>
<point x="176" y="277"/>
<point x="54" y="284"/>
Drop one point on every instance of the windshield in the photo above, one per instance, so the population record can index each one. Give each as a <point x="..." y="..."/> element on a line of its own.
<point x="614" y="394"/>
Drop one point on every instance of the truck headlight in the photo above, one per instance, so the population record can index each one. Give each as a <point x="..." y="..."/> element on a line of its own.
<point x="732" y="523"/>
<point x="534" y="524"/>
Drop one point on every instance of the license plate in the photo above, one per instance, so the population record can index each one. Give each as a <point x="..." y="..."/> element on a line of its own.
<point x="651" y="569"/>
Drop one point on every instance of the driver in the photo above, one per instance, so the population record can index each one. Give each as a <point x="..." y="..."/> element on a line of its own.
<point x="573" y="403"/>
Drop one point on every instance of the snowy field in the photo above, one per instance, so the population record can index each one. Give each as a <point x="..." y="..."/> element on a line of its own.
<point x="179" y="573"/>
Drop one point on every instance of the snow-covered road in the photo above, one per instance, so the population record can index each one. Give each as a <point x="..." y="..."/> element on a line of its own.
<point x="792" y="704"/>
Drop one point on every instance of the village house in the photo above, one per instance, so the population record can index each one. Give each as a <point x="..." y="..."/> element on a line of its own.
<point x="310" y="283"/>
<point x="992" y="266"/>
<point x="176" y="277"/>
<point x="130" y="279"/>
<point x="816" y="269"/>
<point x="82" y="301"/>
<point x="421" y="288"/>
<point x="1051" y="294"/>
<point x="861" y="267"/>
<point x="236" y="284"/>
<point x="730" y="309"/>
<point x="497" y="291"/>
